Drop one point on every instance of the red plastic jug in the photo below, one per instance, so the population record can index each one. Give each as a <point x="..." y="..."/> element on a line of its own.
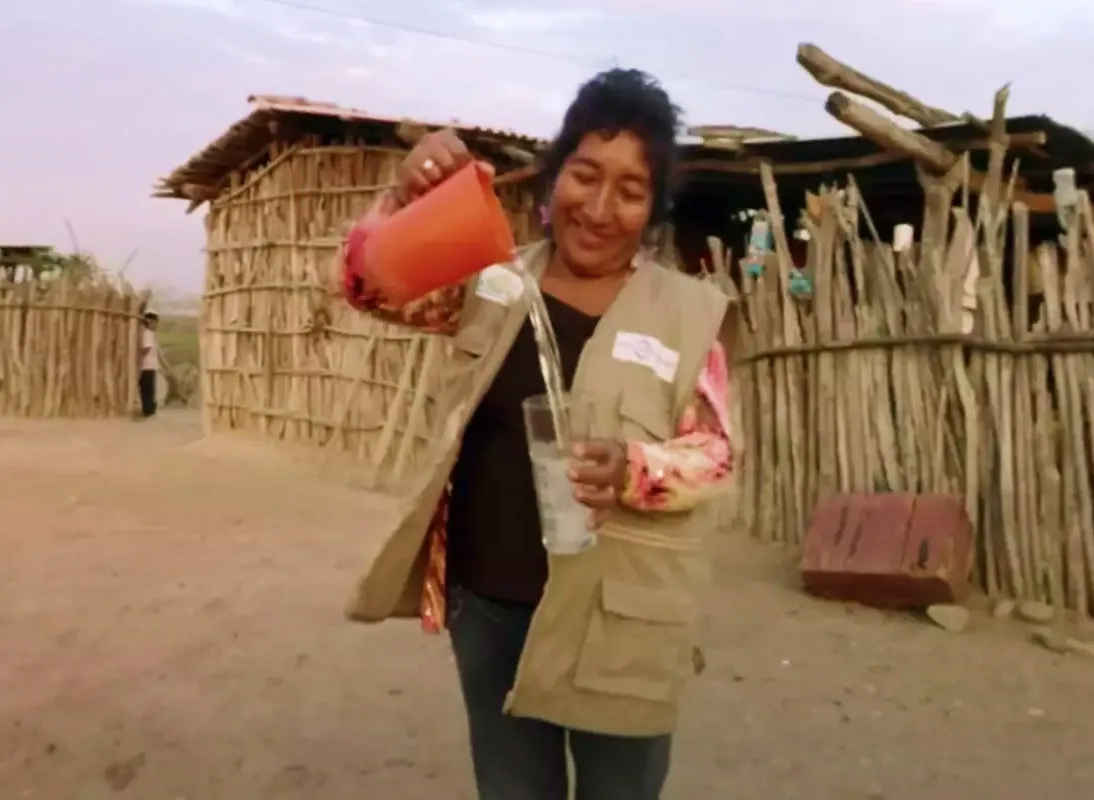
<point x="440" y="239"/>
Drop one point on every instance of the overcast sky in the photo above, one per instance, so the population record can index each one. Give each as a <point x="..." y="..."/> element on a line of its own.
<point x="100" y="97"/>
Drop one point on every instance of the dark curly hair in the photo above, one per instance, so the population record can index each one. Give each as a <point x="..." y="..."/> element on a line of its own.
<point x="622" y="100"/>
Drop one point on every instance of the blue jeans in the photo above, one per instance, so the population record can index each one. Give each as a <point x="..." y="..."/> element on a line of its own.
<point x="525" y="759"/>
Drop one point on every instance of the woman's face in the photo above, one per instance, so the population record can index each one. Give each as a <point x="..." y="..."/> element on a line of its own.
<point x="601" y="203"/>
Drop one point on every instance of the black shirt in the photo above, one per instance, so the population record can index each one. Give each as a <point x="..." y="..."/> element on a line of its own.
<point x="495" y="546"/>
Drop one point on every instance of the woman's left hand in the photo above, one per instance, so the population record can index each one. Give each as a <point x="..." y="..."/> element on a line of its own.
<point x="599" y="473"/>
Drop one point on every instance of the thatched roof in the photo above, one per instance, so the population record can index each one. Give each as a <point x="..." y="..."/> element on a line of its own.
<point x="246" y="144"/>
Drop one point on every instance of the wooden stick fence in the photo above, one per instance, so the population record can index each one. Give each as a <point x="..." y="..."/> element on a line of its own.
<point x="901" y="374"/>
<point x="68" y="347"/>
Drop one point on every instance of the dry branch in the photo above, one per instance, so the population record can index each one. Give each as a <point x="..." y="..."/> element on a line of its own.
<point x="888" y="135"/>
<point x="929" y="154"/>
<point x="834" y="74"/>
<point x="999" y="144"/>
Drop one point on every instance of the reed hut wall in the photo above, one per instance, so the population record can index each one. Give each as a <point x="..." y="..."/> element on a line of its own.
<point x="875" y="383"/>
<point x="68" y="347"/>
<point x="278" y="356"/>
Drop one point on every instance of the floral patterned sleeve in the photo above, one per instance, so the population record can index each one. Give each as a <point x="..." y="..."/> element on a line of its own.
<point x="678" y="474"/>
<point x="437" y="312"/>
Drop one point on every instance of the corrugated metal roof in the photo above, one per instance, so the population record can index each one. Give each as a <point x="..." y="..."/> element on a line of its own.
<point x="805" y="164"/>
<point x="1062" y="145"/>
<point x="302" y="105"/>
<point x="202" y="174"/>
<point x="739" y="133"/>
<point x="707" y="155"/>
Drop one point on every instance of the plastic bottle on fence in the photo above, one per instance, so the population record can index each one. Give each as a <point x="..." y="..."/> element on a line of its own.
<point x="759" y="245"/>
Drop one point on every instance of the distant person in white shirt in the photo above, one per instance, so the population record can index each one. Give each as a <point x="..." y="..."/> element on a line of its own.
<point x="150" y="362"/>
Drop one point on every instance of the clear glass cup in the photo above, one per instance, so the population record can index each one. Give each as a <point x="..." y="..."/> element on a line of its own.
<point x="551" y="435"/>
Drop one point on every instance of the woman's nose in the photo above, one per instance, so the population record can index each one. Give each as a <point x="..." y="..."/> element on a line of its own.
<point x="598" y="206"/>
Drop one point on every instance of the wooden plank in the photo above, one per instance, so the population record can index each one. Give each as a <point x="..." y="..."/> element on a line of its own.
<point x="888" y="550"/>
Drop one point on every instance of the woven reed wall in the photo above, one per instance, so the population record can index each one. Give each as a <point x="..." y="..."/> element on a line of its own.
<point x="276" y="358"/>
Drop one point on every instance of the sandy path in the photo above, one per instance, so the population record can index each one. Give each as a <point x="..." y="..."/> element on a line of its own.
<point x="170" y="614"/>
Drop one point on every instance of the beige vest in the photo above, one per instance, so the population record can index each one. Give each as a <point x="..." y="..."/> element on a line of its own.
<point x="610" y="644"/>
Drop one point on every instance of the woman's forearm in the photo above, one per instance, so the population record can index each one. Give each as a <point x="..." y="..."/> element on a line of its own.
<point x="437" y="312"/>
<point x="680" y="473"/>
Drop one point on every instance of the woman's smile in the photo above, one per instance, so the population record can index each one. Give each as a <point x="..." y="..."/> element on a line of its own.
<point x="588" y="237"/>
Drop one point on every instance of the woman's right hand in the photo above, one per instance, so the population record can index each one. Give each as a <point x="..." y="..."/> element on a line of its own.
<point x="436" y="156"/>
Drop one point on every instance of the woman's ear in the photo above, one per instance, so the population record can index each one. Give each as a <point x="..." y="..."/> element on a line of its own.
<point x="546" y="211"/>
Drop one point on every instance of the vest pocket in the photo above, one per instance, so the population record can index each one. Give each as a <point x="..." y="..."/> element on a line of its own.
<point x="638" y="644"/>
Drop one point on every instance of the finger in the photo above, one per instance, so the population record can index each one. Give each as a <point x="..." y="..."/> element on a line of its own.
<point x="415" y="183"/>
<point x="443" y="162"/>
<point x="596" y="518"/>
<point x="600" y="452"/>
<point x="441" y="154"/>
<point x="436" y="156"/>
<point x="595" y="496"/>
<point x="583" y="472"/>
<point x="453" y="145"/>
<point x="428" y="168"/>
<point x="587" y="451"/>
<point x="435" y="170"/>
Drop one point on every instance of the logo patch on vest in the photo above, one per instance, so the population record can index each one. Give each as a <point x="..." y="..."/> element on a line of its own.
<point x="635" y="348"/>
<point x="499" y="285"/>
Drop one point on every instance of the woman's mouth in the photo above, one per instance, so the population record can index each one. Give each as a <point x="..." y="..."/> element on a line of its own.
<point x="587" y="239"/>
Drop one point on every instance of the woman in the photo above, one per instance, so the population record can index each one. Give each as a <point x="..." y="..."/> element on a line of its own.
<point x="598" y="655"/>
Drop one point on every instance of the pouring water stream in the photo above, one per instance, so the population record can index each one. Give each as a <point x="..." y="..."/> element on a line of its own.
<point x="550" y="365"/>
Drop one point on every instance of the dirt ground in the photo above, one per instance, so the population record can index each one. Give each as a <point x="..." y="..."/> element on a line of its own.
<point x="170" y="628"/>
